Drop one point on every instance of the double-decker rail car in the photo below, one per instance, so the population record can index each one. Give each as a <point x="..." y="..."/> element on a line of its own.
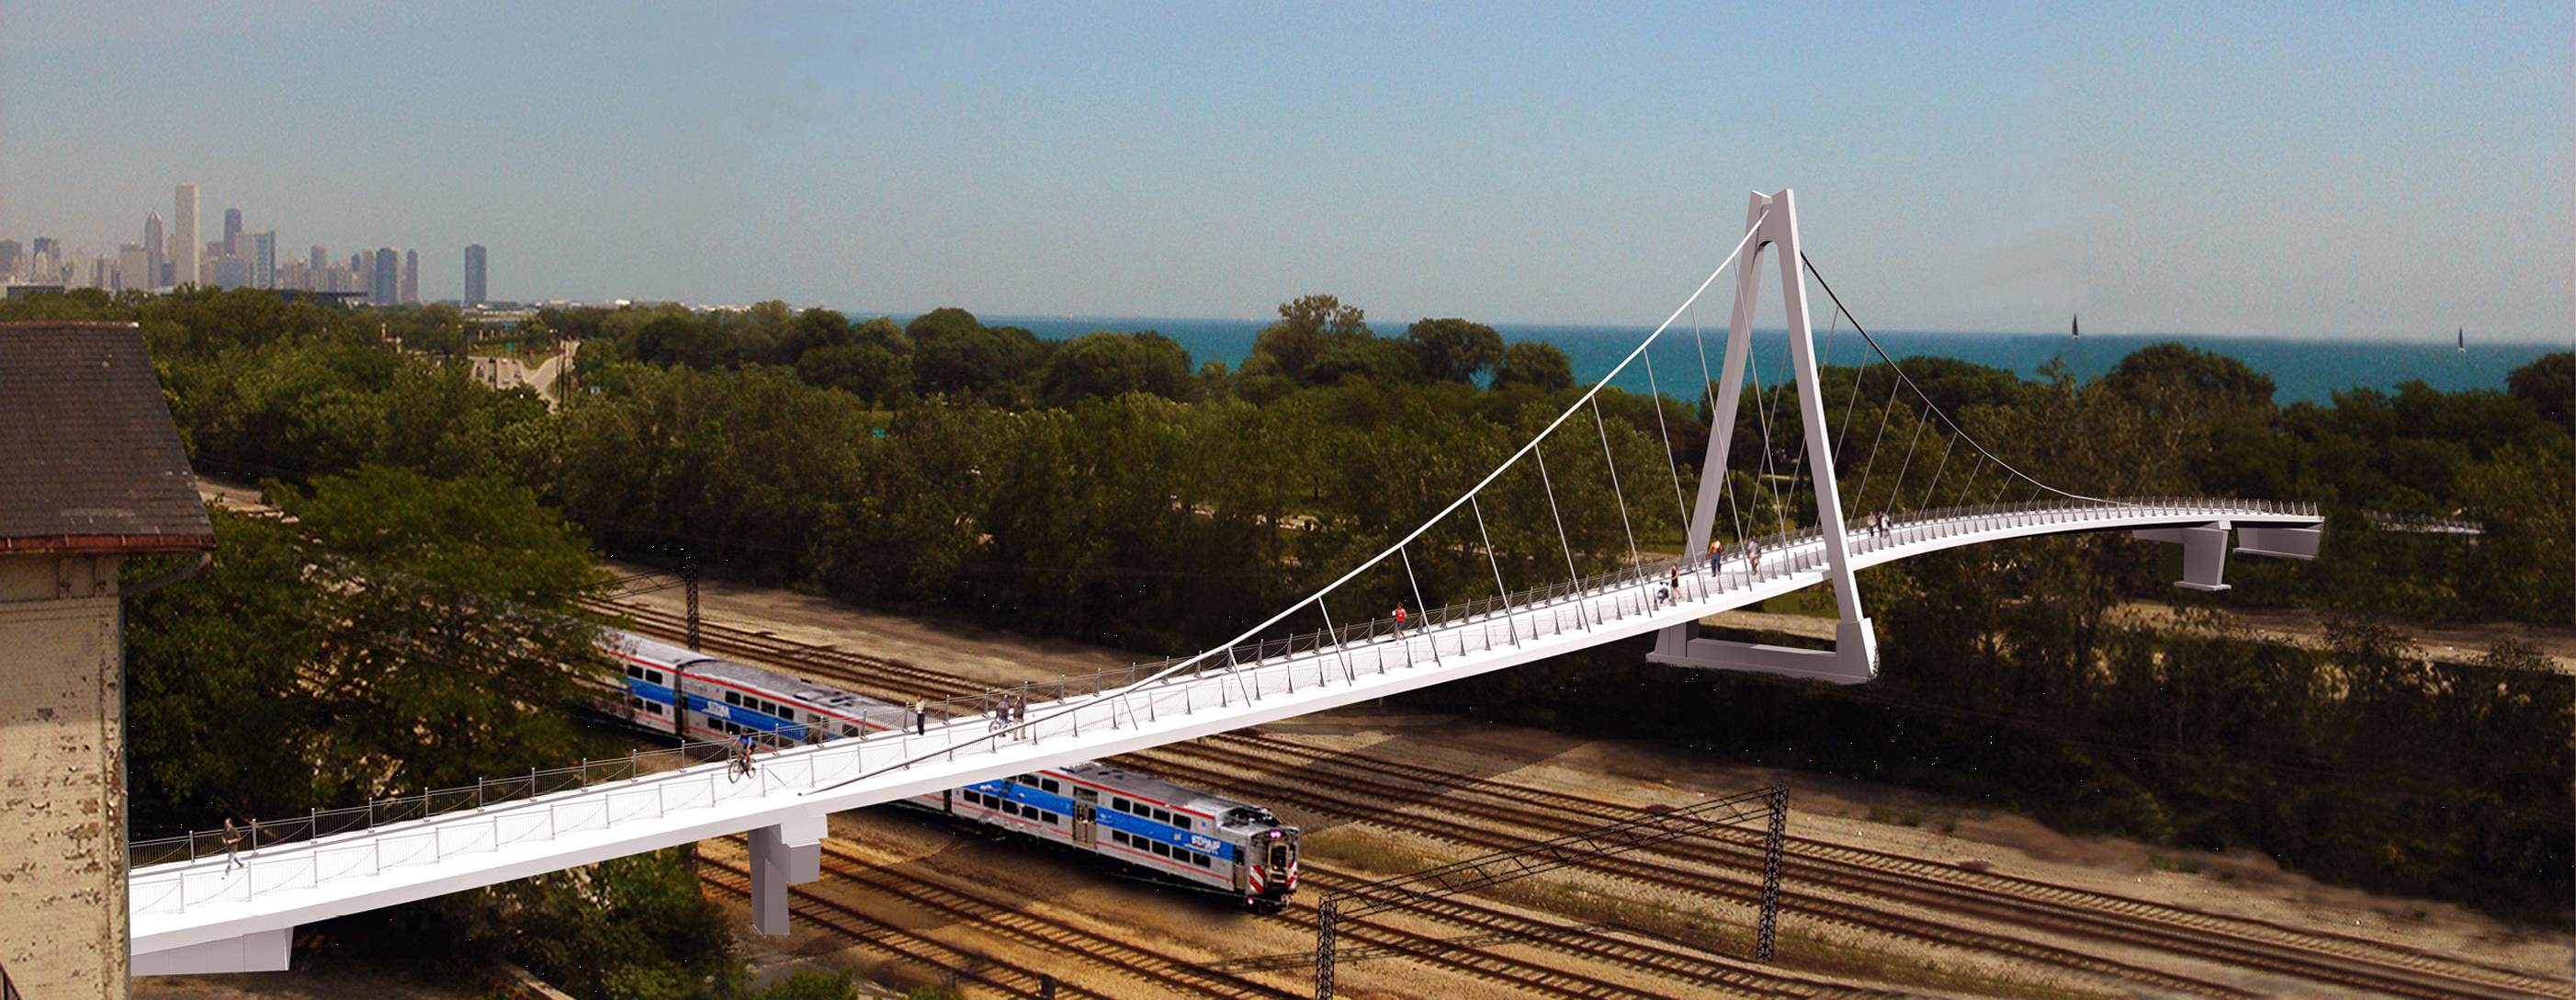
<point x="1139" y="823"/>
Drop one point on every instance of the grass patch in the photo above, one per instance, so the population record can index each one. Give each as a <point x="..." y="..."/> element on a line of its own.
<point x="1896" y="815"/>
<point x="1355" y="848"/>
<point x="2173" y="863"/>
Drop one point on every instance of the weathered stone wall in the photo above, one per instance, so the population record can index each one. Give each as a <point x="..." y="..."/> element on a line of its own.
<point x="62" y="778"/>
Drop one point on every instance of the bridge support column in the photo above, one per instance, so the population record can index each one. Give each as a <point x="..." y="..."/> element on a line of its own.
<point x="2204" y="554"/>
<point x="1854" y="658"/>
<point x="790" y="853"/>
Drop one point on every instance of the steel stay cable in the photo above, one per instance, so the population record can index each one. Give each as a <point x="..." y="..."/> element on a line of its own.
<point x="1908" y="381"/>
<point x="1561" y="544"/>
<point x="1953" y="442"/>
<point x="1896" y="493"/>
<point x="1708" y="385"/>
<point x="1505" y="591"/>
<point x="1884" y="410"/>
<point x="1753" y="369"/>
<point x="1665" y="434"/>
<point x="1615" y="492"/>
<point x="1463" y="500"/>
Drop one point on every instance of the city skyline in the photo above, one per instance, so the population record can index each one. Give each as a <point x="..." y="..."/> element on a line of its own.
<point x="243" y="257"/>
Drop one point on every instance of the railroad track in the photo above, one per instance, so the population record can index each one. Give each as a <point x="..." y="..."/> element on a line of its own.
<point x="1043" y="932"/>
<point x="1197" y="979"/>
<point x="1867" y="873"/>
<point x="2321" y="956"/>
<point x="2085" y="902"/>
<point x="857" y="927"/>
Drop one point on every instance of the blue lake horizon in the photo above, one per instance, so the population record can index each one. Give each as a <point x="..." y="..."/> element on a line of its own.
<point x="2301" y="369"/>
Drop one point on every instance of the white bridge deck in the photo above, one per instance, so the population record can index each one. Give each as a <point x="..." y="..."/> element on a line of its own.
<point x="209" y="915"/>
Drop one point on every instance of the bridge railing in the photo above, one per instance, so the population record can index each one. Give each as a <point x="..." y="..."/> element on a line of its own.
<point x="1517" y="616"/>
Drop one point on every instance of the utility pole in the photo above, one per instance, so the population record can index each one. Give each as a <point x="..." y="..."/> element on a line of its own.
<point x="689" y="579"/>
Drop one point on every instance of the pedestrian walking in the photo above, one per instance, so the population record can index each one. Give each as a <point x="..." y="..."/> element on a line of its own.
<point x="1399" y="619"/>
<point x="920" y="717"/>
<point x="232" y="845"/>
<point x="1716" y="554"/>
<point x="1753" y="556"/>
<point x="1021" y="715"/>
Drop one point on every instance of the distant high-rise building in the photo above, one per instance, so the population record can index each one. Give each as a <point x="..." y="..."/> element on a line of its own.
<point x="263" y="259"/>
<point x="232" y="231"/>
<point x="232" y="272"/>
<point x="411" y="277"/>
<point x="474" y="293"/>
<point x="321" y="259"/>
<point x="135" y="268"/>
<point x="317" y="273"/>
<point x="155" y="247"/>
<point x="387" y="286"/>
<point x="13" y="255"/>
<point x="183" y="236"/>
<point x="47" y="246"/>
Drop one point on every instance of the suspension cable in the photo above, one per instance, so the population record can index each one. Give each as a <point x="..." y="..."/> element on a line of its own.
<point x="1896" y="493"/>
<point x="1561" y="543"/>
<point x="1725" y="481"/>
<point x="1615" y="493"/>
<point x="1884" y="409"/>
<point x="1665" y="434"/>
<point x="1468" y="498"/>
<point x="1918" y="390"/>
<point x="1952" y="442"/>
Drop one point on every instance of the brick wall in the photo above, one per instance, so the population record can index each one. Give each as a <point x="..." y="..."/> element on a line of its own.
<point x="62" y="778"/>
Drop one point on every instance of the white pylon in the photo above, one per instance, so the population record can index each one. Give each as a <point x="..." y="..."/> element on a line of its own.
<point x="1854" y="659"/>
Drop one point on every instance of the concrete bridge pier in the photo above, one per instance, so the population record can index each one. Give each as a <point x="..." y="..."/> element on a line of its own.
<point x="790" y="853"/>
<point x="2204" y="548"/>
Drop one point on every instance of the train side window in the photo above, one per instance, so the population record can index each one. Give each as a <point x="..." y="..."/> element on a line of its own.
<point x="1162" y="817"/>
<point x="1198" y="859"/>
<point x="1050" y="785"/>
<point x="1118" y="804"/>
<point x="732" y="698"/>
<point x="634" y="671"/>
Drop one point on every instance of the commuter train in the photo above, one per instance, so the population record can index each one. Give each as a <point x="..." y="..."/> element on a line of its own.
<point x="1143" y="824"/>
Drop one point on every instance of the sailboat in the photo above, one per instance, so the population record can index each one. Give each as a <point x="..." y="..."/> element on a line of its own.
<point x="2075" y="326"/>
<point x="2463" y="334"/>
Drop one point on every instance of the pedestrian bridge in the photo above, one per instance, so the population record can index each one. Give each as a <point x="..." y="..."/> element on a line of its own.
<point x="210" y="914"/>
<point x="198" y="908"/>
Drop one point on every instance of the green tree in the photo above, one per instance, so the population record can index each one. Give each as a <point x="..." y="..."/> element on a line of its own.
<point x="1106" y="365"/>
<point x="412" y="633"/>
<point x="1534" y="363"/>
<point x="2548" y="385"/>
<point x="1453" y="350"/>
<point x="1311" y="328"/>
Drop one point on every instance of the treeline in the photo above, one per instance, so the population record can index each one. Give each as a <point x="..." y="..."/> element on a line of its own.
<point x="1104" y="488"/>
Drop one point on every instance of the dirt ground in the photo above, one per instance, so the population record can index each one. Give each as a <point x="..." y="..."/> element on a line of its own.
<point x="1829" y="809"/>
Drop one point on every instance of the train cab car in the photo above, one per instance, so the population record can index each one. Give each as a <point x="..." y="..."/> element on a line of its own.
<point x="1146" y="825"/>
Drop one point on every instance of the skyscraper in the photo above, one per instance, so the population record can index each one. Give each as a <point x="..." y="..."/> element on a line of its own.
<point x="387" y="285"/>
<point x="474" y="295"/>
<point x="411" y="277"/>
<point x="232" y="231"/>
<point x="13" y="256"/>
<point x="134" y="268"/>
<point x="263" y="259"/>
<point x="157" y="250"/>
<point x="320" y="266"/>
<point x="183" y="237"/>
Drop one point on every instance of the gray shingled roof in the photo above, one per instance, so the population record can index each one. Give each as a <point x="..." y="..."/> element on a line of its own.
<point x="89" y="458"/>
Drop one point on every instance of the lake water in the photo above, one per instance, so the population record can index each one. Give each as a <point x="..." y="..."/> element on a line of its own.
<point x="2303" y="370"/>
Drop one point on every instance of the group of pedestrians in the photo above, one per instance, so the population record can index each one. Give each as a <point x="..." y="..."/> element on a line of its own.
<point x="1012" y="715"/>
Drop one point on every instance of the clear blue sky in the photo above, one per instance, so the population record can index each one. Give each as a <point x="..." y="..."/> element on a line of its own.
<point x="2266" y="168"/>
